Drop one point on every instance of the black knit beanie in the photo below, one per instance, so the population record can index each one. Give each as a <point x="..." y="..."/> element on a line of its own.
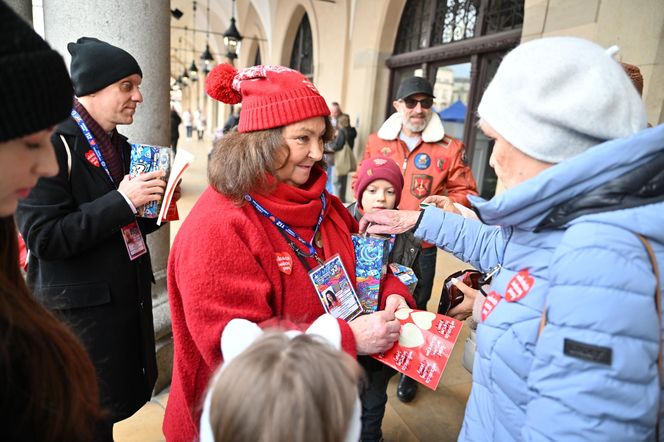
<point x="96" y="64"/>
<point x="36" y="89"/>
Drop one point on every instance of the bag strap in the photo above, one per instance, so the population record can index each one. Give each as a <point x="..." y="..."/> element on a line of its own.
<point x="658" y="307"/>
<point x="658" y="298"/>
<point x="68" y="151"/>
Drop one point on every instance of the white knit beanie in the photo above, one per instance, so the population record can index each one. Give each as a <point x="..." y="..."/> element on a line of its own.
<point x="554" y="98"/>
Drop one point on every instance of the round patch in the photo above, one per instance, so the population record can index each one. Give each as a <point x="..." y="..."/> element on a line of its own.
<point x="422" y="161"/>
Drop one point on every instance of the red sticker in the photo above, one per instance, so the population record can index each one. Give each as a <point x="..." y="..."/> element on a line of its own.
<point x="490" y="303"/>
<point x="92" y="158"/>
<point x="285" y="262"/>
<point x="519" y="286"/>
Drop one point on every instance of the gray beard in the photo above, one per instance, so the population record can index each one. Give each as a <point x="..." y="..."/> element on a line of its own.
<point x="417" y="128"/>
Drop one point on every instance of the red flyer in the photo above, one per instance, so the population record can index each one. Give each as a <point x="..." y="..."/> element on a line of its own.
<point x="424" y="346"/>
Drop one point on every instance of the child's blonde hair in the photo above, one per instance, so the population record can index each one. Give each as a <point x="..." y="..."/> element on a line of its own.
<point x="285" y="390"/>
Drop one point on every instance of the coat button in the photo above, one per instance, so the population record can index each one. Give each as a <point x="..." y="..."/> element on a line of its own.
<point x="412" y="250"/>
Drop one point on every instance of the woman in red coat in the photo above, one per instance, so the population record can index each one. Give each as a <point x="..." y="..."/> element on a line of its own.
<point x="265" y="221"/>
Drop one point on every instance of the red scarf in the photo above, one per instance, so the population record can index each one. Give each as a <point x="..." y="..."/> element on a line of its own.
<point x="299" y="208"/>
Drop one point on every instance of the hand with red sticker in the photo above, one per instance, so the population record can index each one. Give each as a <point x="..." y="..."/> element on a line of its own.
<point x="376" y="332"/>
<point x="144" y="188"/>
<point x="465" y="309"/>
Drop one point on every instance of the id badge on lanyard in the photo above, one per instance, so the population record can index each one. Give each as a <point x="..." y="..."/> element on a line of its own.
<point x="330" y="278"/>
<point x="133" y="239"/>
<point x="335" y="290"/>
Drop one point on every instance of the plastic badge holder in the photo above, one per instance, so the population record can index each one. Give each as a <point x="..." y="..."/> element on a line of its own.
<point x="371" y="256"/>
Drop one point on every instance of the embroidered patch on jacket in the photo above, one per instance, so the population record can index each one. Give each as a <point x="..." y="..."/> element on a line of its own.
<point x="385" y="151"/>
<point x="490" y="303"/>
<point x="422" y="161"/>
<point x="420" y="185"/>
<point x="588" y="352"/>
<point x="440" y="164"/>
<point x="284" y="262"/>
<point x="519" y="286"/>
<point x="92" y="158"/>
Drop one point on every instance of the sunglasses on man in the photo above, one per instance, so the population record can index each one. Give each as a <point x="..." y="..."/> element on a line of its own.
<point x="411" y="103"/>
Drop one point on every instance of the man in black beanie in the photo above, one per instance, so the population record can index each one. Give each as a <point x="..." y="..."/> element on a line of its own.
<point x="89" y="259"/>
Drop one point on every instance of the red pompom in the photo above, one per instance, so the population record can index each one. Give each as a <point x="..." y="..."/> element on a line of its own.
<point x="219" y="84"/>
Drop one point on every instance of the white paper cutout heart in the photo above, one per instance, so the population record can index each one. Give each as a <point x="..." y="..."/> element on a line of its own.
<point x="411" y="336"/>
<point x="403" y="313"/>
<point x="423" y="319"/>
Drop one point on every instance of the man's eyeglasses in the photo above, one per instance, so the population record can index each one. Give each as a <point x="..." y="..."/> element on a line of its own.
<point x="411" y="103"/>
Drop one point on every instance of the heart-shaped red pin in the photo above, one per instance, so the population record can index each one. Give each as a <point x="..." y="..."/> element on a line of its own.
<point x="92" y="158"/>
<point x="284" y="262"/>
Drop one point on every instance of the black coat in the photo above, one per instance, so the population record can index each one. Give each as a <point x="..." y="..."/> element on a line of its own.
<point x="80" y="269"/>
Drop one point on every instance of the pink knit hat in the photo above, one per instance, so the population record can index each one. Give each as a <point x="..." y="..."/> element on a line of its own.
<point x="373" y="169"/>
<point x="271" y="96"/>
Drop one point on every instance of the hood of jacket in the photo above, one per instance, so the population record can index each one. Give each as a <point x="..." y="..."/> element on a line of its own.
<point x="432" y="133"/>
<point x="602" y="182"/>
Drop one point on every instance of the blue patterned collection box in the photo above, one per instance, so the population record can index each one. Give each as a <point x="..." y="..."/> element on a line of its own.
<point x="147" y="158"/>
<point x="371" y="255"/>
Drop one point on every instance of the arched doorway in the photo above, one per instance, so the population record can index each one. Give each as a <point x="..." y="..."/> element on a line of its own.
<point x="457" y="45"/>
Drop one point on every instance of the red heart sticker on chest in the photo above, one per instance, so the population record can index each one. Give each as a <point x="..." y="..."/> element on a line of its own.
<point x="519" y="286"/>
<point x="284" y="262"/>
<point x="92" y="158"/>
<point x="490" y="303"/>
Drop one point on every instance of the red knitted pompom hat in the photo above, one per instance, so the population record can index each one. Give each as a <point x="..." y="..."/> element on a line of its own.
<point x="373" y="169"/>
<point x="271" y="96"/>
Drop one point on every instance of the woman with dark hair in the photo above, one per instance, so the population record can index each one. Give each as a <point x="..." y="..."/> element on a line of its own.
<point x="331" y="299"/>
<point x="256" y="238"/>
<point x="49" y="390"/>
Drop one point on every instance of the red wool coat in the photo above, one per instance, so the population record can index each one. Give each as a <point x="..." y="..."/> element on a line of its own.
<point x="223" y="265"/>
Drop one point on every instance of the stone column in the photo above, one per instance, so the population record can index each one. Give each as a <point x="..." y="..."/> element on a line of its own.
<point x="22" y="8"/>
<point x="142" y="28"/>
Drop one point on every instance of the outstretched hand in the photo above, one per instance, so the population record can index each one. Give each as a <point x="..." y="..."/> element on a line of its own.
<point x="389" y="222"/>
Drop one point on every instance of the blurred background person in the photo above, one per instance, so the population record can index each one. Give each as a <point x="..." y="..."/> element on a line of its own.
<point x="283" y="386"/>
<point x="49" y="390"/>
<point x="175" y="129"/>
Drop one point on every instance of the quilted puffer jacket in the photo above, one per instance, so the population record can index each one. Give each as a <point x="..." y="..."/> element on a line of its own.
<point x="566" y="243"/>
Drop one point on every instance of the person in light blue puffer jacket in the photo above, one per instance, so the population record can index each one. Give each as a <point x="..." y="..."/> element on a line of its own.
<point x="583" y="179"/>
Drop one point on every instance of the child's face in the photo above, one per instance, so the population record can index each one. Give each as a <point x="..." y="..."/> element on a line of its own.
<point x="379" y="194"/>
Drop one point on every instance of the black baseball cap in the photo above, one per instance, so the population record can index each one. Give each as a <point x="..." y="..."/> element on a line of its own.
<point x="413" y="86"/>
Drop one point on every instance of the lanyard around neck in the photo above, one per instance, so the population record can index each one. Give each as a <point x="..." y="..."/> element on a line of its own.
<point x="283" y="227"/>
<point x="92" y="142"/>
